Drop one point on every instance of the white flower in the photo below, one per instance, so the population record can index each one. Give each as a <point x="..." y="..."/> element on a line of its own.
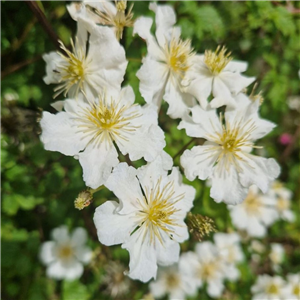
<point x="225" y="157"/>
<point x="255" y="214"/>
<point x="268" y="288"/>
<point x="148" y="220"/>
<point x="167" y="61"/>
<point x="276" y="255"/>
<point x="90" y="131"/>
<point x="205" y="265"/>
<point x="231" y="252"/>
<point x="172" y="282"/>
<point x="84" y="69"/>
<point x="292" y="289"/>
<point x="66" y="254"/>
<point x="105" y="13"/>
<point x="283" y="201"/>
<point x="216" y="72"/>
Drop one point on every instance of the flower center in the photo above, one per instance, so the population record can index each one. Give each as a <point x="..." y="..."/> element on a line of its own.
<point x="72" y="70"/>
<point x="178" y="54"/>
<point x="208" y="270"/>
<point x="218" y="60"/>
<point x="172" y="281"/>
<point x="158" y="209"/>
<point x="65" y="252"/>
<point x="252" y="204"/>
<point x="282" y="204"/>
<point x="296" y="290"/>
<point x="273" y="289"/>
<point x="107" y="122"/>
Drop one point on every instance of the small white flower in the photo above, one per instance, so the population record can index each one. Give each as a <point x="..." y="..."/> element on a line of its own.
<point x="87" y="70"/>
<point x="225" y="157"/>
<point x="231" y="252"/>
<point x="172" y="282"/>
<point x="276" y="255"/>
<point x="257" y="246"/>
<point x="283" y="201"/>
<point x="167" y="60"/>
<point x="205" y="265"/>
<point x="292" y="289"/>
<point x="105" y="13"/>
<point x="216" y="72"/>
<point x="148" y="220"/>
<point x="268" y="288"/>
<point x="91" y="130"/>
<point x="255" y="214"/>
<point x="66" y="254"/>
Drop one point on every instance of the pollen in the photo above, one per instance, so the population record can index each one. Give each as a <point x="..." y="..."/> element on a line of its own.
<point x="65" y="252"/>
<point x="158" y="209"/>
<point x="72" y="70"/>
<point x="272" y="289"/>
<point x="178" y="54"/>
<point x="107" y="121"/>
<point x="218" y="60"/>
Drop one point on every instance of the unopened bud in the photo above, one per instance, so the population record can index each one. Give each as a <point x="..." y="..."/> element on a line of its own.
<point x="83" y="200"/>
<point x="200" y="226"/>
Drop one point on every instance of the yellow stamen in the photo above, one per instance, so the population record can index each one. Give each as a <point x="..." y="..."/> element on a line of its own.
<point x="65" y="252"/>
<point x="273" y="289"/>
<point x="218" y="60"/>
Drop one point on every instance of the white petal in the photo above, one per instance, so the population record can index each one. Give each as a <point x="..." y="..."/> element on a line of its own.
<point x="232" y="272"/>
<point x="226" y="186"/>
<point x="158" y="288"/>
<point x="215" y="288"/>
<point x="165" y="18"/>
<point x="56" y="270"/>
<point x="60" y="234"/>
<point x="58" y="105"/>
<point x="239" y="216"/>
<point x="143" y="263"/>
<point x="73" y="271"/>
<point x="153" y="77"/>
<point x="97" y="164"/>
<point x="148" y="139"/>
<point x="112" y="228"/>
<point x="259" y="171"/>
<point x="84" y="254"/>
<point x="192" y="129"/>
<point x="255" y="228"/>
<point x="168" y="253"/>
<point x="236" y="66"/>
<point x="47" y="252"/>
<point x="198" y="162"/>
<point x="235" y="81"/>
<point x="52" y="59"/>
<point x="124" y="184"/>
<point x="178" y="101"/>
<point x="222" y="94"/>
<point x="78" y="237"/>
<point x="59" y="134"/>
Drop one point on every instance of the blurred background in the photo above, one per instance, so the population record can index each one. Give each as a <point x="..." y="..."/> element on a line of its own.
<point x="39" y="187"/>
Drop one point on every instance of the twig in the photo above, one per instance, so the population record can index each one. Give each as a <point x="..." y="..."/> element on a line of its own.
<point x="43" y="21"/>
<point x="19" y="66"/>
<point x="183" y="148"/>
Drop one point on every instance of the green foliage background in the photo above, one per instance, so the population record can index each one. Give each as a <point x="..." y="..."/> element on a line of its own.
<point x="39" y="187"/>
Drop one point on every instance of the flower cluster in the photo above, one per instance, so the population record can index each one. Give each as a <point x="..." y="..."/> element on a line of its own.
<point x="99" y="123"/>
<point x="211" y="263"/>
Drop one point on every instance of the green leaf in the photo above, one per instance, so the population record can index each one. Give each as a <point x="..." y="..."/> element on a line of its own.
<point x="74" y="290"/>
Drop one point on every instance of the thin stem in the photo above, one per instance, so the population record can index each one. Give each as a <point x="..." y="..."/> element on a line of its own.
<point x="184" y="147"/>
<point x="44" y="22"/>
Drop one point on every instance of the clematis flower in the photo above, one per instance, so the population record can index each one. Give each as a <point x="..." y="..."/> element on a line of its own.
<point x="87" y="69"/>
<point x="283" y="201"/>
<point x="255" y="214"/>
<point x="172" y="282"/>
<point x="276" y="255"/>
<point x="105" y="13"/>
<point x="225" y="157"/>
<point x="292" y="289"/>
<point x="267" y="287"/>
<point x="66" y="254"/>
<point x="148" y="220"/>
<point x="216" y="73"/>
<point x="168" y="58"/>
<point x="90" y="131"/>
<point x="230" y="250"/>
<point x="205" y="265"/>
